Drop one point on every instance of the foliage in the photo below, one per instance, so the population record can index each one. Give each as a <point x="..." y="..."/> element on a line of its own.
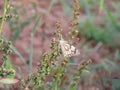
<point x="101" y="26"/>
<point x="98" y="23"/>
<point x="49" y="64"/>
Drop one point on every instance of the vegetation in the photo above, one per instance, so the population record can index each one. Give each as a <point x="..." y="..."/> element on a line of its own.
<point x="93" y="26"/>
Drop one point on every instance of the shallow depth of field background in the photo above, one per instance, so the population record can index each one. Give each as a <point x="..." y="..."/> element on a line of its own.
<point x="99" y="33"/>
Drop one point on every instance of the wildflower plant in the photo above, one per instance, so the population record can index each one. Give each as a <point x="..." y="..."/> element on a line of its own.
<point x="7" y="73"/>
<point x="51" y="66"/>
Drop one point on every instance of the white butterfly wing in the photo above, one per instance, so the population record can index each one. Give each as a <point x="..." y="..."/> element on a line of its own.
<point x="67" y="49"/>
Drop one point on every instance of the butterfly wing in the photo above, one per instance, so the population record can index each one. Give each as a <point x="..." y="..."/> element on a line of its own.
<point x="67" y="49"/>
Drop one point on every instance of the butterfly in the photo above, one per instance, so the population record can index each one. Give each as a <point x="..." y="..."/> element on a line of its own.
<point x="68" y="50"/>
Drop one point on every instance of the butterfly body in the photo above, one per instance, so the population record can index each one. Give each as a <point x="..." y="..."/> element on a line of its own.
<point x="68" y="50"/>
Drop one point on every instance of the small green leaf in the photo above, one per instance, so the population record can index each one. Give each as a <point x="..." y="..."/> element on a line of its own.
<point x="8" y="81"/>
<point x="73" y="86"/>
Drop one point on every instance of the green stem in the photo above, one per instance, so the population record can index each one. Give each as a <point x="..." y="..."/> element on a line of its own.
<point x="31" y="54"/>
<point x="3" y="17"/>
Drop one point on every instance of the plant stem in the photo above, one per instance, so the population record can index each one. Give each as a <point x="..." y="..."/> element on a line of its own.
<point x="31" y="54"/>
<point x="3" y="17"/>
